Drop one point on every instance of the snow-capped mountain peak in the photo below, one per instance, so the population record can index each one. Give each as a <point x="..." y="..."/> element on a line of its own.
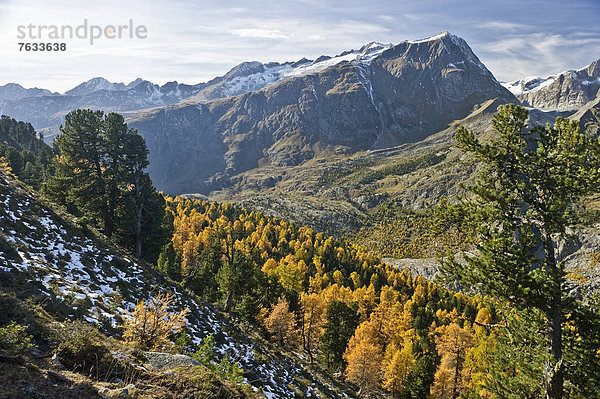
<point x="440" y="35"/>
<point x="529" y="84"/>
<point x="251" y="76"/>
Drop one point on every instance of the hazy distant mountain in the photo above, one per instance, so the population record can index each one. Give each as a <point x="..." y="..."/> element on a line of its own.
<point x="13" y="91"/>
<point x="46" y="110"/>
<point x="93" y="85"/>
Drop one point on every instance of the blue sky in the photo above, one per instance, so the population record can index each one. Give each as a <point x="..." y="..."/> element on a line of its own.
<point x="194" y="41"/>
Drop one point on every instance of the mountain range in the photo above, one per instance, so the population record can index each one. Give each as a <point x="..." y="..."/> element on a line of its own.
<point x="267" y="133"/>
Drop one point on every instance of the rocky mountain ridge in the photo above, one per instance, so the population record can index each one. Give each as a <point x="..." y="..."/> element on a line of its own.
<point x="565" y="91"/>
<point x="46" y="110"/>
<point x="14" y="91"/>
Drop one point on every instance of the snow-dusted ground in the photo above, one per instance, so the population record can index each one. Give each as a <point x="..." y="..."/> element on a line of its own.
<point x="70" y="267"/>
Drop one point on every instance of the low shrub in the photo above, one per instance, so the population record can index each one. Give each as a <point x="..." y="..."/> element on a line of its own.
<point x="14" y="339"/>
<point x="82" y="349"/>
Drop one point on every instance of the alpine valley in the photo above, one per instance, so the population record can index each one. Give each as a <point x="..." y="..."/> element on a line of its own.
<point x="324" y="137"/>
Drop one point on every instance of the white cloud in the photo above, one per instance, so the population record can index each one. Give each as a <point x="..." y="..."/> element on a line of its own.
<point x="386" y="18"/>
<point x="414" y="17"/>
<point x="503" y="25"/>
<point x="538" y="54"/>
<point x="260" y="33"/>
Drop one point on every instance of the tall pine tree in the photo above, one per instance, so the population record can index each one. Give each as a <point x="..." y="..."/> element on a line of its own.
<point x="521" y="205"/>
<point x="99" y="174"/>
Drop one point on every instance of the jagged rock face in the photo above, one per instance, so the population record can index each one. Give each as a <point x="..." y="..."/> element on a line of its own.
<point x="421" y="87"/>
<point x="589" y="118"/>
<point x="566" y="91"/>
<point x="402" y="94"/>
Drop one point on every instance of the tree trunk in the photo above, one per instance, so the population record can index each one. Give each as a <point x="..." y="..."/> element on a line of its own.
<point x="228" y="302"/>
<point x="113" y="192"/>
<point x="308" y="341"/>
<point x="138" y="222"/>
<point x="456" y="375"/>
<point x="109" y="220"/>
<point x="101" y="183"/>
<point x="556" y="383"/>
<point x="554" y="318"/>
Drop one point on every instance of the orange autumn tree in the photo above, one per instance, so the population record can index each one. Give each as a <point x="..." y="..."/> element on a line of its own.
<point x="398" y="364"/>
<point x="364" y="357"/>
<point x="280" y="323"/>
<point x="313" y="308"/>
<point x="151" y="323"/>
<point x="452" y="344"/>
<point x="274" y="258"/>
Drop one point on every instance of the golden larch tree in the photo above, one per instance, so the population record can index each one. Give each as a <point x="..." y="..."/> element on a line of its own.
<point x="452" y="344"/>
<point x="364" y="357"/>
<point x="280" y="323"/>
<point x="151" y="323"/>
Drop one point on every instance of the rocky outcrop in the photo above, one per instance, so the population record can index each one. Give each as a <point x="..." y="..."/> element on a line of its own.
<point x="428" y="267"/>
<point x="589" y="118"/>
<point x="160" y="360"/>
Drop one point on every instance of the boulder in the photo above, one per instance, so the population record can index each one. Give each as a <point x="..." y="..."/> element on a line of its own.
<point x="160" y="360"/>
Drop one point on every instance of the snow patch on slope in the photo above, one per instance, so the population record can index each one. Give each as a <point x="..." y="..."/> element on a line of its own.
<point x="528" y="85"/>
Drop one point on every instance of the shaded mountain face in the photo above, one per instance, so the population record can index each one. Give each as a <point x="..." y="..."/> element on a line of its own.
<point x="566" y="91"/>
<point x="589" y="118"/>
<point x="378" y="97"/>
